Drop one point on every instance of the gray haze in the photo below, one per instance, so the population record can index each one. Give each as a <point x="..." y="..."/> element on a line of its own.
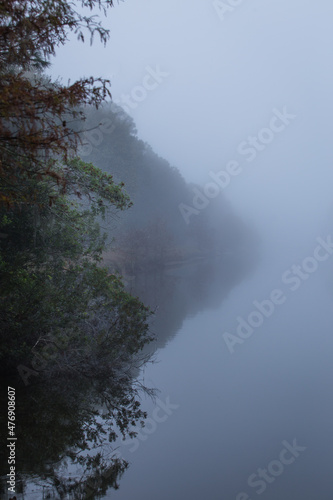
<point x="226" y="79"/>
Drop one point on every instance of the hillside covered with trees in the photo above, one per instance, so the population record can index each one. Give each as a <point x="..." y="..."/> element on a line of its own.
<point x="161" y="227"/>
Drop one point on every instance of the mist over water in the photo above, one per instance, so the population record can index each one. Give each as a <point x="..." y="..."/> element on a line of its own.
<point x="238" y="410"/>
<point x="238" y="403"/>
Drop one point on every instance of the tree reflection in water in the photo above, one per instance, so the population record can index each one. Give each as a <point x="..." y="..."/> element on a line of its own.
<point x="66" y="430"/>
<point x="67" y="425"/>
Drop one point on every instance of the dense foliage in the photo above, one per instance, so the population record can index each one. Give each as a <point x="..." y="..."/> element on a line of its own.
<point x="54" y="292"/>
<point x="64" y="319"/>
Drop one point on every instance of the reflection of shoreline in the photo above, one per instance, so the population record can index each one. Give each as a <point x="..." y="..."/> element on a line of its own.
<point x="185" y="289"/>
<point x="78" y="418"/>
<point x="73" y="406"/>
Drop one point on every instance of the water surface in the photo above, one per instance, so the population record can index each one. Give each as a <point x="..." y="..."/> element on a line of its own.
<point x="233" y="413"/>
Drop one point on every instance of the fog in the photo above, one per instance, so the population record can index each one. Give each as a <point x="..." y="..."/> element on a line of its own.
<point x="227" y="69"/>
<point x="251" y="84"/>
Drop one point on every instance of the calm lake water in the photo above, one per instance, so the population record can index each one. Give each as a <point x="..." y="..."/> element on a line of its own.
<point x="243" y="366"/>
<point x="256" y="422"/>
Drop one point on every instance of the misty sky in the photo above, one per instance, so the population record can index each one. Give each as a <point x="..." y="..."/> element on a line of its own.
<point x="221" y="74"/>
